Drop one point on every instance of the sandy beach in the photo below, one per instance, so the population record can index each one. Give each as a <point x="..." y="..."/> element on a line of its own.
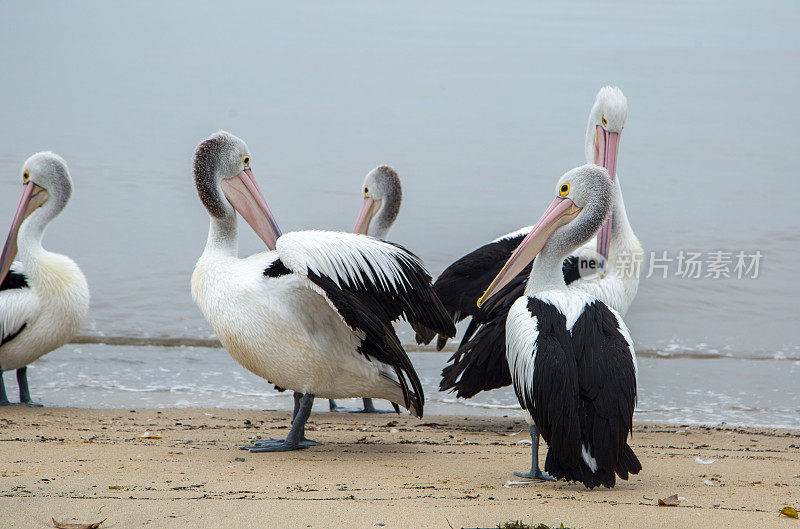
<point x="83" y="465"/>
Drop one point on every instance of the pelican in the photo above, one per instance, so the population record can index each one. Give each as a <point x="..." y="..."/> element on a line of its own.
<point x="479" y="364"/>
<point x="44" y="296"/>
<point x="570" y="355"/>
<point x="382" y="197"/>
<point x="462" y="282"/>
<point x="314" y="313"/>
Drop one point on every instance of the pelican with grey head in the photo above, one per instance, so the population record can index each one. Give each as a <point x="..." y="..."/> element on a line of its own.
<point x="44" y="296"/>
<point x="382" y="194"/>
<point x="314" y="313"/>
<point x="570" y="355"/>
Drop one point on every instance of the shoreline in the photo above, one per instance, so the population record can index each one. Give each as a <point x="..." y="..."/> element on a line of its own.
<point x="80" y="464"/>
<point x="658" y="351"/>
<point x="670" y="391"/>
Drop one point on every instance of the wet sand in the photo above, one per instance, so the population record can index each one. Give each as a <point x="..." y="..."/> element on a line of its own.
<point x="372" y="471"/>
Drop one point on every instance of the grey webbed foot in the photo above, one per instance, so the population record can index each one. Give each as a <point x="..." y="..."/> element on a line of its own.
<point x="536" y="475"/>
<point x="268" y="442"/>
<point x="279" y="445"/>
<point x="32" y="403"/>
<point x="296" y="439"/>
<point x="283" y="446"/>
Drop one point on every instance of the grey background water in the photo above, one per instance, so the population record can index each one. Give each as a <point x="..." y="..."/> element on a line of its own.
<point x="480" y="108"/>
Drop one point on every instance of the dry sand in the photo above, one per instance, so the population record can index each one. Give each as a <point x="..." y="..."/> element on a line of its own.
<point x="372" y="471"/>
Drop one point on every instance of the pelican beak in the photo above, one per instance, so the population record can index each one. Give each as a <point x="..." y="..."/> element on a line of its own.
<point x="369" y="209"/>
<point x="606" y="146"/>
<point x="243" y="193"/>
<point x="33" y="197"/>
<point x="562" y="211"/>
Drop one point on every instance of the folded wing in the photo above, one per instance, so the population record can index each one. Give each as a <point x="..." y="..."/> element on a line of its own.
<point x="370" y="284"/>
<point x="18" y="304"/>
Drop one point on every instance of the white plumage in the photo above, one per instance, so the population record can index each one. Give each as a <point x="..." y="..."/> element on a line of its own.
<point x="522" y="232"/>
<point x="285" y="329"/>
<point x="47" y="301"/>
<point x="315" y="314"/>
<point x="52" y="308"/>
<point x="354" y="259"/>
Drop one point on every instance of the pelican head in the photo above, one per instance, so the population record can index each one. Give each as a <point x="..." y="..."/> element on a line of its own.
<point x="582" y="202"/>
<point x="46" y="187"/>
<point x="382" y="196"/>
<point x="226" y="185"/>
<point x="606" y="121"/>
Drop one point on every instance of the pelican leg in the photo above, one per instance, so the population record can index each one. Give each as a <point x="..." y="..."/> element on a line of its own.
<point x="3" y="397"/>
<point x="297" y="396"/>
<point x="24" y="392"/>
<point x="369" y="407"/>
<point x="297" y="435"/>
<point x="535" y="473"/>
<point x="332" y="406"/>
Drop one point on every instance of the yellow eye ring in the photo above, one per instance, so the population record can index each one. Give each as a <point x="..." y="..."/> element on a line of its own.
<point x="246" y="160"/>
<point x="366" y="191"/>
<point x="605" y="122"/>
<point x="563" y="190"/>
<point x="26" y="176"/>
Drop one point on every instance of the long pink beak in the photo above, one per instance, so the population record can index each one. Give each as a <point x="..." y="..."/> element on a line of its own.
<point x="368" y="210"/>
<point x="244" y="194"/>
<point x="560" y="212"/>
<point x="606" y="149"/>
<point x="32" y="197"/>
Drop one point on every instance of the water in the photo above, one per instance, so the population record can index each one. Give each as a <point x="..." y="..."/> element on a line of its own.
<point x="480" y="109"/>
<point x="676" y="390"/>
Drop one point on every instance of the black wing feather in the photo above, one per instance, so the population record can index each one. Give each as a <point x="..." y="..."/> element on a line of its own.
<point x="582" y="395"/>
<point x="14" y="280"/>
<point x="607" y="380"/>
<point x="364" y="311"/>
<point x="476" y="366"/>
<point x="479" y="363"/>
<point x="372" y="309"/>
<point x="552" y="396"/>
<point x="570" y="269"/>
<point x="417" y="303"/>
<point x="463" y="282"/>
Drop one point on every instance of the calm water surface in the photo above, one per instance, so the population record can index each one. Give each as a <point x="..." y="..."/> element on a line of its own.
<point x="480" y="109"/>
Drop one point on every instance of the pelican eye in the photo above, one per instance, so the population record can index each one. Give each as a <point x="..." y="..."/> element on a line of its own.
<point x="605" y="121"/>
<point x="26" y="176"/>
<point x="246" y="160"/>
<point x="563" y="190"/>
<point x="366" y="191"/>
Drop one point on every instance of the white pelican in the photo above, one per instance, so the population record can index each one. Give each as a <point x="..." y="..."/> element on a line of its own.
<point x="44" y="296"/>
<point x="571" y="356"/>
<point x="479" y="363"/>
<point x="382" y="197"/>
<point x="314" y="314"/>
